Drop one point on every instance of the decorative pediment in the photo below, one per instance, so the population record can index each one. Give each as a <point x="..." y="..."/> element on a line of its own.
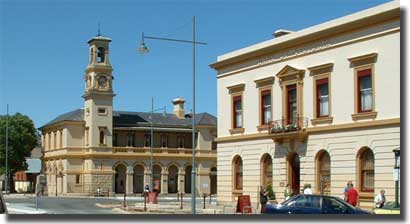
<point x="288" y="73"/>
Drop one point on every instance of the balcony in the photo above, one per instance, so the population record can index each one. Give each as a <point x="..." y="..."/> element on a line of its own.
<point x="144" y="151"/>
<point x="284" y="130"/>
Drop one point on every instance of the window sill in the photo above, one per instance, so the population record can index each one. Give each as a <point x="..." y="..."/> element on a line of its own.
<point x="322" y="120"/>
<point x="263" y="127"/>
<point x="237" y="131"/>
<point x="364" y="115"/>
<point x="237" y="192"/>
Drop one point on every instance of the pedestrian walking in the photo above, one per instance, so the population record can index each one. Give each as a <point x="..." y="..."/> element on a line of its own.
<point x="263" y="196"/>
<point x="380" y="199"/>
<point x="307" y="189"/>
<point x="352" y="195"/>
<point x="346" y="189"/>
<point x="288" y="192"/>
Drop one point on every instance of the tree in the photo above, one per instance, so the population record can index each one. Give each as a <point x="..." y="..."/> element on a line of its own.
<point x="22" y="138"/>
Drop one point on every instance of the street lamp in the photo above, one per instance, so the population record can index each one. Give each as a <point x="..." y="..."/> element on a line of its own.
<point x="152" y="139"/>
<point x="143" y="49"/>
<point x="396" y="175"/>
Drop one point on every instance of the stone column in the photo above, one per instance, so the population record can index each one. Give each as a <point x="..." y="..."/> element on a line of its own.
<point x="164" y="182"/>
<point x="129" y="180"/>
<point x="113" y="184"/>
<point x="181" y="181"/>
<point x="147" y="178"/>
<point x="203" y="182"/>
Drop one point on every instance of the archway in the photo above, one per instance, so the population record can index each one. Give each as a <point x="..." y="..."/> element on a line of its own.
<point x="366" y="170"/>
<point x="188" y="173"/>
<point x="172" y="179"/>
<point x="120" y="178"/>
<point x="294" y="172"/>
<point x="213" y="180"/>
<point x="138" y="179"/>
<point x="266" y="175"/>
<point x="323" y="172"/>
<point x="156" y="178"/>
<point x="237" y="173"/>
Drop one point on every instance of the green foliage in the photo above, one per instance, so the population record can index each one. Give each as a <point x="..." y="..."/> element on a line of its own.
<point x="271" y="193"/>
<point x="22" y="138"/>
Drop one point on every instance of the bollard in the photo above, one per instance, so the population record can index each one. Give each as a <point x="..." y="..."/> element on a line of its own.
<point x="182" y="205"/>
<point x="177" y="196"/>
<point x="145" y="201"/>
<point x="124" y="203"/>
<point x="204" y="199"/>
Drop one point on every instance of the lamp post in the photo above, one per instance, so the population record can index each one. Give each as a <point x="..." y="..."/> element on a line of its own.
<point x="152" y="140"/>
<point x="144" y="49"/>
<point x="7" y="151"/>
<point x="397" y="175"/>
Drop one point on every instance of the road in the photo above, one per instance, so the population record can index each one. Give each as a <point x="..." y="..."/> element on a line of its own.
<point x="19" y="204"/>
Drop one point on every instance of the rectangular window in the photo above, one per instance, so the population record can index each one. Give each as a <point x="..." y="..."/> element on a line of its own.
<point x="130" y="140"/>
<point x="292" y="104"/>
<point x="77" y="179"/>
<point x="61" y="138"/>
<point x="237" y="112"/>
<point x="181" y="142"/>
<point x="102" y="111"/>
<point x="115" y="139"/>
<point x="322" y="94"/>
<point x="147" y="140"/>
<point x="164" y="141"/>
<point x="86" y="136"/>
<point x="365" y="90"/>
<point x="266" y="106"/>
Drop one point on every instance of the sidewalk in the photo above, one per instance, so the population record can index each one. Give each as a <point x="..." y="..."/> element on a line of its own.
<point x="20" y="209"/>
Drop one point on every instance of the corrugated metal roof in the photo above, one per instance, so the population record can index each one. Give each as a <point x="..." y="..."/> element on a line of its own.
<point x="140" y="119"/>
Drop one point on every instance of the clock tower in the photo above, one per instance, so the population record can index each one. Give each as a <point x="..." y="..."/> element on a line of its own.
<point x="98" y="94"/>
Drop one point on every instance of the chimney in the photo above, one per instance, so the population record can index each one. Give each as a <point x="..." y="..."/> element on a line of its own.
<point x="280" y="32"/>
<point x="179" y="107"/>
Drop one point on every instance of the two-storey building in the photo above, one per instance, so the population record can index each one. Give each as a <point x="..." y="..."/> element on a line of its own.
<point x="319" y="106"/>
<point x="99" y="148"/>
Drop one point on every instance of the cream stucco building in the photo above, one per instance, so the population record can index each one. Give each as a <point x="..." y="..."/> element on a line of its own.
<point x="319" y="106"/>
<point x="97" y="147"/>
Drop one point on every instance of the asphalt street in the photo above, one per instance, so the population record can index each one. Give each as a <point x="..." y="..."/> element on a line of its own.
<point x="79" y="205"/>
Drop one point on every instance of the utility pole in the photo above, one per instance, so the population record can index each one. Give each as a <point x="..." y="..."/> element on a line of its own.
<point x="7" y="151"/>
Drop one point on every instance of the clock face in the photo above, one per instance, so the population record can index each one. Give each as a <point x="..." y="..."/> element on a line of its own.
<point x="102" y="81"/>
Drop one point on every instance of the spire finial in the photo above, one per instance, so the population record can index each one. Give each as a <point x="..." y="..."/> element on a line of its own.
<point x="99" y="29"/>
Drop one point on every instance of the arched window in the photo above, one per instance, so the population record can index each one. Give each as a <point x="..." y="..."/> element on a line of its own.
<point x="237" y="165"/>
<point x="266" y="170"/>
<point x="101" y="55"/>
<point x="323" y="172"/>
<point x="366" y="165"/>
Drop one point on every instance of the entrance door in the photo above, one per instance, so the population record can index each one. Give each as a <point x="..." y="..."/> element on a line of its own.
<point x="138" y="179"/>
<point x="294" y="172"/>
<point x="172" y="179"/>
<point x="188" y="173"/>
<point x="120" y="175"/>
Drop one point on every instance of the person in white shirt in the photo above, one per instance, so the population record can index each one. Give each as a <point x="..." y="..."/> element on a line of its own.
<point x="380" y="199"/>
<point x="307" y="189"/>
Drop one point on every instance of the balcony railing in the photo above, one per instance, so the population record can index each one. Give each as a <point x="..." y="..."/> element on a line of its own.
<point x="286" y="128"/>
<point x="160" y="150"/>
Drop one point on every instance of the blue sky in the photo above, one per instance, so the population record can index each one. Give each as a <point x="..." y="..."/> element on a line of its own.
<point x="44" y="52"/>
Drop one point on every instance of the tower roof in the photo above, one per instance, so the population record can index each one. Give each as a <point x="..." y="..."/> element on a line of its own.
<point x="99" y="38"/>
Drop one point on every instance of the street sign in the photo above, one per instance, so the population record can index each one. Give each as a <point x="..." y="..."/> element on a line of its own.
<point x="396" y="174"/>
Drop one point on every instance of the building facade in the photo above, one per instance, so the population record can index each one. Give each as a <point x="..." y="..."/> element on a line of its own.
<point x="99" y="148"/>
<point x="320" y="106"/>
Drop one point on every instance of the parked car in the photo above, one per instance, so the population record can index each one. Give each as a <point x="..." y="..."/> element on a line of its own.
<point x="314" y="204"/>
<point x="3" y="207"/>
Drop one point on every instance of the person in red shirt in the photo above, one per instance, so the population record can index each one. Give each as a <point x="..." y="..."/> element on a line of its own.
<point x="352" y="195"/>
